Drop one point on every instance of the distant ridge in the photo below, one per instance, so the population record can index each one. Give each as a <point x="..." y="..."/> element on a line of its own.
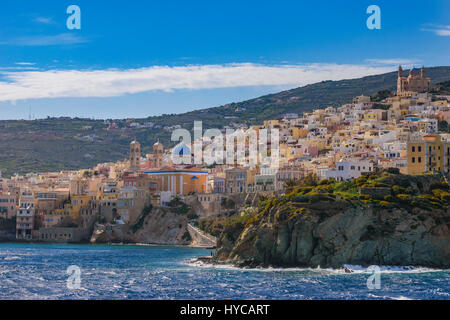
<point x="55" y="144"/>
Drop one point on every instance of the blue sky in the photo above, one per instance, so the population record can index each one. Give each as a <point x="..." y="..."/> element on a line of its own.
<point x="141" y="58"/>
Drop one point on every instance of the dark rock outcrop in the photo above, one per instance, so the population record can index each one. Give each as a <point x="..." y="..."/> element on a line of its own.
<point x="331" y="238"/>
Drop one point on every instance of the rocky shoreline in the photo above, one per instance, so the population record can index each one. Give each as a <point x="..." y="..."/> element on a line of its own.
<point x="331" y="232"/>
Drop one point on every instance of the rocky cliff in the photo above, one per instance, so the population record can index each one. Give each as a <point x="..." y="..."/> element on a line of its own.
<point x="160" y="226"/>
<point x="330" y="224"/>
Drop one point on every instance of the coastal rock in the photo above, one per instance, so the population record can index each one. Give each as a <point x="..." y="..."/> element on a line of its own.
<point x="161" y="226"/>
<point x="358" y="236"/>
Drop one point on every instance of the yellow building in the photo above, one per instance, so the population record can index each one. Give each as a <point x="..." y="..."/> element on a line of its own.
<point x="298" y="133"/>
<point x="371" y="116"/>
<point x="269" y="124"/>
<point x="108" y="191"/>
<point x="70" y="209"/>
<point x="428" y="155"/>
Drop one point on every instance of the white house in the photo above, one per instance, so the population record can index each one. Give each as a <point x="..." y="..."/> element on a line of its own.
<point x="346" y="170"/>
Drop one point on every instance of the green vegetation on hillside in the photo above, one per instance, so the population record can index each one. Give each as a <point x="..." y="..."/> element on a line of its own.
<point x="386" y="190"/>
<point x="442" y="88"/>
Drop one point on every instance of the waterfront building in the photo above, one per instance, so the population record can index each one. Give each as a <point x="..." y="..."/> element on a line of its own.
<point x="8" y="207"/>
<point x="25" y="216"/>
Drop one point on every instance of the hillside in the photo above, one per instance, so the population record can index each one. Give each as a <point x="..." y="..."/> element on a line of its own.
<point x="64" y="143"/>
<point x="381" y="219"/>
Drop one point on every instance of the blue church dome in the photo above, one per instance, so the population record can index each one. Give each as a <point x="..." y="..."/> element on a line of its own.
<point x="181" y="150"/>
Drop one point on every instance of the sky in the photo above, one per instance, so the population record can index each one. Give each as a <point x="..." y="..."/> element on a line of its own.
<point x="142" y="58"/>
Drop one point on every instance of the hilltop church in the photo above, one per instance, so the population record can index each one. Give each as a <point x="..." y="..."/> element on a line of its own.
<point x="415" y="82"/>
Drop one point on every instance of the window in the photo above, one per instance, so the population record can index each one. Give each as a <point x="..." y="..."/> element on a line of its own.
<point x="419" y="149"/>
<point x="419" y="159"/>
<point x="413" y="149"/>
<point x="413" y="159"/>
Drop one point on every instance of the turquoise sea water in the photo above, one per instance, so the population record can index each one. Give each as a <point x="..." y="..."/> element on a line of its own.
<point x="39" y="271"/>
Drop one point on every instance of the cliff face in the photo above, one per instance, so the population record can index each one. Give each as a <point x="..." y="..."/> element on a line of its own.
<point x="331" y="232"/>
<point x="160" y="226"/>
<point x="355" y="236"/>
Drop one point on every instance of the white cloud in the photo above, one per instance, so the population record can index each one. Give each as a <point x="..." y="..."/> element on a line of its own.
<point x="45" y="40"/>
<point x="393" y="62"/>
<point x="443" y="31"/>
<point x="114" y="82"/>
<point x="43" y="20"/>
<point x="25" y="63"/>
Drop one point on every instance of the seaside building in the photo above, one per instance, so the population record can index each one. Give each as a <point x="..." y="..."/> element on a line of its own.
<point x="8" y="207"/>
<point x="25" y="216"/>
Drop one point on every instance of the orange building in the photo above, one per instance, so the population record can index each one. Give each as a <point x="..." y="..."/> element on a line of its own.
<point x="180" y="181"/>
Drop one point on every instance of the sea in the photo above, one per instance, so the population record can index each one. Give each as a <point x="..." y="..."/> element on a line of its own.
<point x="110" y="272"/>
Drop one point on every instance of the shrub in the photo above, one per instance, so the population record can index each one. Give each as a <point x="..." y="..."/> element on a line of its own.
<point x="364" y="197"/>
<point x="440" y="185"/>
<point x="385" y="204"/>
<point x="228" y="203"/>
<point x="101" y="219"/>
<point x="186" y="236"/>
<point x="375" y="184"/>
<point x="360" y="181"/>
<point x="428" y="197"/>
<point x="311" y="180"/>
<point x="437" y="193"/>
<point x="393" y="170"/>
<point x="324" y="187"/>
<point x="192" y="216"/>
<point x="403" y="196"/>
<point x="140" y="221"/>
<point x="445" y="196"/>
<point x="401" y="190"/>
<point x="300" y="198"/>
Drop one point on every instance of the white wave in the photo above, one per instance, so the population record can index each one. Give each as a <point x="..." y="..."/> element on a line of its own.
<point x="393" y="269"/>
<point x="10" y="258"/>
<point x="389" y="297"/>
<point x="346" y="269"/>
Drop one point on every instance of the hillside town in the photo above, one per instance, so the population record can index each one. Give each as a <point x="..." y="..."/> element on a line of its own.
<point x="403" y="130"/>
